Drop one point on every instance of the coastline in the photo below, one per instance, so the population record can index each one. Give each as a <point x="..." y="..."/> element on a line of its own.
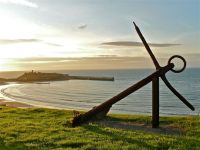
<point x="25" y="102"/>
<point x="8" y="102"/>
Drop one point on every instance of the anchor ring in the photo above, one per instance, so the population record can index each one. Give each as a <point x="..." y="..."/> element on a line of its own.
<point x="180" y="57"/>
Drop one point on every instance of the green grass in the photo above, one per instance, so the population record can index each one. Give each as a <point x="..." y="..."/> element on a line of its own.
<point x="38" y="128"/>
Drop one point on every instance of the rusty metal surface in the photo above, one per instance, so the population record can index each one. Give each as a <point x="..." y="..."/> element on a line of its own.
<point x="103" y="108"/>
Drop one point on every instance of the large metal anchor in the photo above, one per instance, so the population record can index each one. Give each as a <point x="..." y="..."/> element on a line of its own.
<point x="100" y="111"/>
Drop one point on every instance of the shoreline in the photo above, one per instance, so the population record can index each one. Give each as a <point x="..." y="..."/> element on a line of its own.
<point x="9" y="102"/>
<point x="6" y="100"/>
<point x="14" y="104"/>
<point x="17" y="104"/>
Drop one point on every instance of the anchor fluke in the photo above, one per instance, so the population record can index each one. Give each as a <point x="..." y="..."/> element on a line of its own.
<point x="177" y="93"/>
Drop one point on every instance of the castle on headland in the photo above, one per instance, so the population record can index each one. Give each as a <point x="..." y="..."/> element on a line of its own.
<point x="34" y="76"/>
<point x="38" y="76"/>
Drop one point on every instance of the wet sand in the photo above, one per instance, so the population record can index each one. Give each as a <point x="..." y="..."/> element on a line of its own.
<point x="14" y="104"/>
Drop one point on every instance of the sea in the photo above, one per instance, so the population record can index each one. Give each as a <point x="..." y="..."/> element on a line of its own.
<point x="86" y="94"/>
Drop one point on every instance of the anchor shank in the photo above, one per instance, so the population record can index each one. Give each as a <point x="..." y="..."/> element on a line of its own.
<point x="108" y="104"/>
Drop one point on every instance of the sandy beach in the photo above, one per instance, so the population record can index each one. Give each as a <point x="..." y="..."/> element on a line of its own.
<point x="14" y="104"/>
<point x="11" y="103"/>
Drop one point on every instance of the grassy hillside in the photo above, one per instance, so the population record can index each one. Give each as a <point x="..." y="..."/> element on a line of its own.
<point x="37" y="128"/>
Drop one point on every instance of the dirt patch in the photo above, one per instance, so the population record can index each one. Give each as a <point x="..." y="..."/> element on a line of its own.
<point x="164" y="129"/>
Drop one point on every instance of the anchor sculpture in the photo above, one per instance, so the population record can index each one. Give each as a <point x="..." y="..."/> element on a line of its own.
<point x="100" y="111"/>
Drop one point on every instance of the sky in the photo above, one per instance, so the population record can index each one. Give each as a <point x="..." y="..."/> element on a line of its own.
<point x="96" y="34"/>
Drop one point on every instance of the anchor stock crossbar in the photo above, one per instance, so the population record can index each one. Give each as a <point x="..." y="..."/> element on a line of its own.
<point x="101" y="110"/>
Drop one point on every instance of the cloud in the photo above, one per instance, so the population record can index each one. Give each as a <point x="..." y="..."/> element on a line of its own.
<point x="103" y="59"/>
<point x="53" y="44"/>
<point x="27" y="3"/>
<point x="16" y="41"/>
<point x="129" y="43"/>
<point x="44" y="59"/>
<point x="107" y="56"/>
<point x="96" y="62"/>
<point x="83" y="26"/>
